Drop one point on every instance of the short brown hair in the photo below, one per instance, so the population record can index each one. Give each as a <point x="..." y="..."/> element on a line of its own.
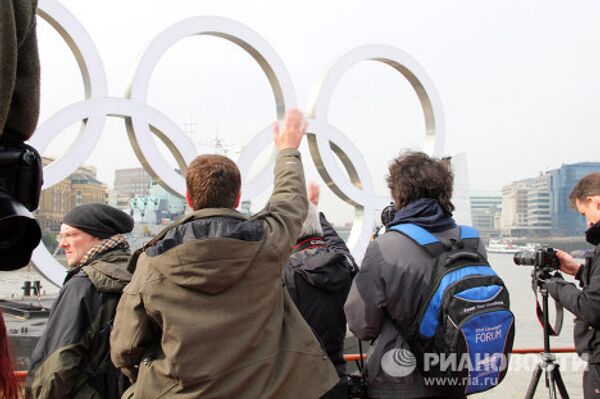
<point x="415" y="175"/>
<point x="213" y="181"/>
<point x="587" y="186"/>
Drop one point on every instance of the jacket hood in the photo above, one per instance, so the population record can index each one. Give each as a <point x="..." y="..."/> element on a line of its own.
<point x="208" y="252"/>
<point x="109" y="273"/>
<point x="426" y="213"/>
<point x="324" y="269"/>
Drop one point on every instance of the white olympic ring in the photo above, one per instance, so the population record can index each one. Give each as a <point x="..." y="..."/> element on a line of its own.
<point x="324" y="140"/>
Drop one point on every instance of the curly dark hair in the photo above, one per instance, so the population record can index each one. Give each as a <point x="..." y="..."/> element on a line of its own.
<point x="415" y="175"/>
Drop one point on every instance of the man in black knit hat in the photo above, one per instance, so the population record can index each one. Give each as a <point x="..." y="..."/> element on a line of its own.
<point x="71" y="359"/>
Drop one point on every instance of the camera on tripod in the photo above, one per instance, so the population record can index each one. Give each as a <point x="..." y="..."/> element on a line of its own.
<point x="543" y="259"/>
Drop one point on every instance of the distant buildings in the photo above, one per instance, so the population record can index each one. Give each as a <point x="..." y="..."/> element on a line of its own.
<point x="486" y="208"/>
<point x="144" y="199"/>
<point x="534" y="207"/>
<point x="132" y="182"/>
<point x="81" y="187"/>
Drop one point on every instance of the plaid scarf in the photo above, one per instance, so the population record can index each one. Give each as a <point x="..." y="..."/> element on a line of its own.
<point x="108" y="244"/>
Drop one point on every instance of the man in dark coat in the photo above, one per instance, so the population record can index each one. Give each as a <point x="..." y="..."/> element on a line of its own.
<point x="72" y="357"/>
<point x="318" y="276"/>
<point x="390" y="287"/>
<point x="584" y="303"/>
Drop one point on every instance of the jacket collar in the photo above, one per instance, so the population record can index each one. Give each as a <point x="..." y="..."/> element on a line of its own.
<point x="592" y="235"/>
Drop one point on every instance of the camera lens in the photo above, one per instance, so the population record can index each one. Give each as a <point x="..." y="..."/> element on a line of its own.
<point x="524" y="258"/>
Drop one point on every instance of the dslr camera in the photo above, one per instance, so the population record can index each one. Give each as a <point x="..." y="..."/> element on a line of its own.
<point x="543" y="259"/>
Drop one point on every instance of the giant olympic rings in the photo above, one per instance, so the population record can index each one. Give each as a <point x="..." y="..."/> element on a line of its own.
<point x="141" y="119"/>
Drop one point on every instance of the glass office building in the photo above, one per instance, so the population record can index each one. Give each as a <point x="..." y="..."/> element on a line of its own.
<point x="565" y="219"/>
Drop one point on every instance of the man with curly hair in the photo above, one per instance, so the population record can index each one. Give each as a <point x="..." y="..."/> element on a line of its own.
<point x="391" y="285"/>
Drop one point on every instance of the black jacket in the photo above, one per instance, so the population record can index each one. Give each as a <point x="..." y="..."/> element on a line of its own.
<point x="584" y="303"/>
<point x="71" y="359"/>
<point x="318" y="276"/>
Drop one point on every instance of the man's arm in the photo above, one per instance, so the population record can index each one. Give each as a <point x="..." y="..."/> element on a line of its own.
<point x="288" y="204"/>
<point x="365" y="306"/>
<point x="585" y="304"/>
<point x="133" y="331"/>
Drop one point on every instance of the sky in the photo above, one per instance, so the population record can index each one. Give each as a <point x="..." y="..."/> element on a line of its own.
<point x="519" y="82"/>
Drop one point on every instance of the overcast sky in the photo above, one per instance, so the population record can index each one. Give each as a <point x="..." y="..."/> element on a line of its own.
<point x="519" y="81"/>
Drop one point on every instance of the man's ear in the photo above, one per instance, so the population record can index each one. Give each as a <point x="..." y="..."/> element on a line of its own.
<point x="237" y="199"/>
<point x="189" y="201"/>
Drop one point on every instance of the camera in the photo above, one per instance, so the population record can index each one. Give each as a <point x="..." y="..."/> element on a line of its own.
<point x="388" y="213"/>
<point x="20" y="188"/>
<point x="542" y="258"/>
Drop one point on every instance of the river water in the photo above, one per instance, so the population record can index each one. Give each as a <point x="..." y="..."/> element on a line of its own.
<point x="528" y="330"/>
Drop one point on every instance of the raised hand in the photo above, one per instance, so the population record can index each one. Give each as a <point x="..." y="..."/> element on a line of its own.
<point x="290" y="135"/>
<point x="313" y="193"/>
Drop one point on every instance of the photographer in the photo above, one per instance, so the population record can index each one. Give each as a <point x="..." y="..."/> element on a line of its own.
<point x="20" y="164"/>
<point x="584" y="303"/>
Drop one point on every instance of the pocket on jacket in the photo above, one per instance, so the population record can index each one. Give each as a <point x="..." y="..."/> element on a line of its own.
<point x="585" y="337"/>
<point x="153" y="383"/>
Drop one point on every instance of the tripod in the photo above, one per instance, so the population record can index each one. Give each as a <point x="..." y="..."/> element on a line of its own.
<point x="547" y="362"/>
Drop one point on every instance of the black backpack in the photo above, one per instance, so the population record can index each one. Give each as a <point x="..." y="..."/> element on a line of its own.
<point x="464" y="331"/>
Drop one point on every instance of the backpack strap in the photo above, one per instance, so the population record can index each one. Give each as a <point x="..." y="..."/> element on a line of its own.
<point x="467" y="232"/>
<point x="422" y="237"/>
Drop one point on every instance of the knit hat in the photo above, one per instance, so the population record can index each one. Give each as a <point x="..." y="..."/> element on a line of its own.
<point x="99" y="220"/>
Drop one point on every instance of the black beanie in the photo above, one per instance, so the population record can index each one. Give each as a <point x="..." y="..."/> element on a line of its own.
<point x="99" y="220"/>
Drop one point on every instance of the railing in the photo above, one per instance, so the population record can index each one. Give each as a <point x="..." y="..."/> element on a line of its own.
<point x="352" y="357"/>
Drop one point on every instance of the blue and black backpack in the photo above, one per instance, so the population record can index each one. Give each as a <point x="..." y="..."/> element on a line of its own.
<point x="464" y="331"/>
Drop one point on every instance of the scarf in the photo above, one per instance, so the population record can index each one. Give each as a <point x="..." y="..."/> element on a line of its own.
<point x="108" y="244"/>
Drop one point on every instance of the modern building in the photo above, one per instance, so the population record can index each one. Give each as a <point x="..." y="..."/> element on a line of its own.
<point x="132" y="182"/>
<point x="539" y="217"/>
<point x="566" y="221"/>
<point x="540" y="206"/>
<point x="514" y="208"/>
<point x="486" y="208"/>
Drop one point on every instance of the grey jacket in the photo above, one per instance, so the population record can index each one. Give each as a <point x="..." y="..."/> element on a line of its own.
<point x="384" y="300"/>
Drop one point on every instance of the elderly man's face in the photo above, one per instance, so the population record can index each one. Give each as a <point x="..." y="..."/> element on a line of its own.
<point x="76" y="243"/>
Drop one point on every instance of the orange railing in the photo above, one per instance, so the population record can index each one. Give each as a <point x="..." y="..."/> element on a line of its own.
<point x="352" y="357"/>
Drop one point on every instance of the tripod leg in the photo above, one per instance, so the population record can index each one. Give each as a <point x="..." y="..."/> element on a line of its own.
<point x="559" y="383"/>
<point x="551" y="383"/>
<point x="535" y="379"/>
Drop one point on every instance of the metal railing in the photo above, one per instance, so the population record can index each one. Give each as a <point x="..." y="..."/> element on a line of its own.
<point x="352" y="357"/>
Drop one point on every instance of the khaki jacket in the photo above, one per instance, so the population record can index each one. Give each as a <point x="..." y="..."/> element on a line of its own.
<point x="209" y="318"/>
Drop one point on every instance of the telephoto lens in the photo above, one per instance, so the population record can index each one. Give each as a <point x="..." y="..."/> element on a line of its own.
<point x="524" y="258"/>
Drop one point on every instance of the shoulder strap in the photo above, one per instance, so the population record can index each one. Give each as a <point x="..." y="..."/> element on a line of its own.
<point x="420" y="236"/>
<point x="468" y="232"/>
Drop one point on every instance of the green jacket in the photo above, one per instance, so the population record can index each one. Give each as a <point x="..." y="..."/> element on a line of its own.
<point x="19" y="70"/>
<point x="206" y="315"/>
<point x="72" y="357"/>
